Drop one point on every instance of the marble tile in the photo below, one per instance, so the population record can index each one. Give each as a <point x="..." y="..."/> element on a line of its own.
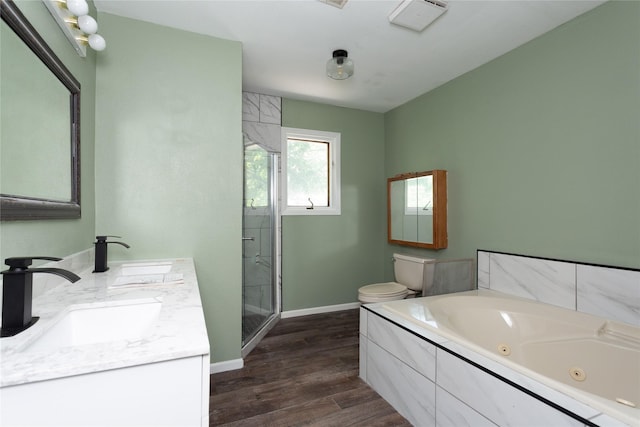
<point x="451" y="276"/>
<point x="605" y="420"/>
<point x="363" y="357"/>
<point x="270" y="109"/>
<point x="411" y="394"/>
<point x="364" y="315"/>
<point x="609" y="292"/>
<point x="551" y="282"/>
<point x="413" y="325"/>
<point x="251" y="295"/>
<point x="483" y="269"/>
<point x="266" y="245"/>
<point x="496" y="400"/>
<point x="418" y="354"/>
<point x="266" y="135"/>
<point x="266" y="300"/>
<point x="524" y="380"/>
<point x="451" y="412"/>
<point x="256" y="273"/>
<point x="250" y="247"/>
<point x="250" y="107"/>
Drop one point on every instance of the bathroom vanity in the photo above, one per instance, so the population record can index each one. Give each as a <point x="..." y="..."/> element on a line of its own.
<point x="124" y="347"/>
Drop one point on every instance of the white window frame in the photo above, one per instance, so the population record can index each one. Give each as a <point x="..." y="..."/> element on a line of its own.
<point x="333" y="139"/>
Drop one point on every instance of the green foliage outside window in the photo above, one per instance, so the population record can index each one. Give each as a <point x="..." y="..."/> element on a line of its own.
<point x="307" y="172"/>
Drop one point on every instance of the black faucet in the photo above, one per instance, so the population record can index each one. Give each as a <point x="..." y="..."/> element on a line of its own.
<point x="101" y="252"/>
<point x="17" y="292"/>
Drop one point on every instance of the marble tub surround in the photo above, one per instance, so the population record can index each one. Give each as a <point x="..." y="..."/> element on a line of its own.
<point x="179" y="331"/>
<point x="607" y="291"/>
<point x="472" y="386"/>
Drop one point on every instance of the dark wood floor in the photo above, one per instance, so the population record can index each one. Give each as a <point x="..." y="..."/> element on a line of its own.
<point x="304" y="372"/>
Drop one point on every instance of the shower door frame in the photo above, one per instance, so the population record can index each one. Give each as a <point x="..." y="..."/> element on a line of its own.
<point x="275" y="222"/>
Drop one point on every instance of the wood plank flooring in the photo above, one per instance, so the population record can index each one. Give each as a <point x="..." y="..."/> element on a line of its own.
<point x="303" y="372"/>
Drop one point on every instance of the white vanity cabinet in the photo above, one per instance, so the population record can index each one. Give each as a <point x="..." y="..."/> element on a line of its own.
<point x="53" y="375"/>
<point x="170" y="393"/>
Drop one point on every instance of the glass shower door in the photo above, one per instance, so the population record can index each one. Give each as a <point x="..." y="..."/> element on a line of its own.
<point x="258" y="260"/>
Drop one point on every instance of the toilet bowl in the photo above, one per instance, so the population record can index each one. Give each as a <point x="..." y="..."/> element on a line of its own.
<point x="412" y="275"/>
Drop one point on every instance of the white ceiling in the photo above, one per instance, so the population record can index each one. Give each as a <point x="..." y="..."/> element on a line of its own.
<point x="286" y="44"/>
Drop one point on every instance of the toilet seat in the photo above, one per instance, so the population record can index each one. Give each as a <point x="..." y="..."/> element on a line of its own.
<point x="380" y="292"/>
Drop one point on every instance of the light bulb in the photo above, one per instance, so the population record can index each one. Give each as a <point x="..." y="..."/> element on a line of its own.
<point x="97" y="42"/>
<point x="78" y="7"/>
<point x="340" y="67"/>
<point x="87" y="24"/>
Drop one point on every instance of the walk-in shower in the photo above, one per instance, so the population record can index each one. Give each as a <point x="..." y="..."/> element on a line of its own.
<point x="260" y="296"/>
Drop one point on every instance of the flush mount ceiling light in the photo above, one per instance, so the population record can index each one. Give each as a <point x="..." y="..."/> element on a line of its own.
<point x="340" y="67"/>
<point x="73" y="18"/>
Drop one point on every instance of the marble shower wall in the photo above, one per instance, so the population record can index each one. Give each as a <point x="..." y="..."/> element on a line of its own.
<point x="261" y="120"/>
<point x="610" y="292"/>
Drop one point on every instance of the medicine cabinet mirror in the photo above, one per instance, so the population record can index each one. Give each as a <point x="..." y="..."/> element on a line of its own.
<point x="417" y="209"/>
<point x="40" y="139"/>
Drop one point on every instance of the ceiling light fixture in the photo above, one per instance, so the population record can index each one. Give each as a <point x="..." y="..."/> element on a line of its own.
<point x="73" y="18"/>
<point x="340" y="67"/>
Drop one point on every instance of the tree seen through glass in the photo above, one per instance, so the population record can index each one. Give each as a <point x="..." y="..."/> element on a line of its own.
<point x="256" y="181"/>
<point x="307" y="172"/>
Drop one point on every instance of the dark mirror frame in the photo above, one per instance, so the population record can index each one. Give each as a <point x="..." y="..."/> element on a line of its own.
<point x="23" y="207"/>
<point x="440" y="240"/>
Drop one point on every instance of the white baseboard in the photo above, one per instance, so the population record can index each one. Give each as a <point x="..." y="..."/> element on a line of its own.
<point x="318" y="310"/>
<point x="227" y="365"/>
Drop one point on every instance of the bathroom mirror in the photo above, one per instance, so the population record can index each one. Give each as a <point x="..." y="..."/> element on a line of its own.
<point x="40" y="132"/>
<point x="417" y="209"/>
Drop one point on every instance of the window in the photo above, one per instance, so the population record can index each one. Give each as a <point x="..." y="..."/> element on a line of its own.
<point x="310" y="172"/>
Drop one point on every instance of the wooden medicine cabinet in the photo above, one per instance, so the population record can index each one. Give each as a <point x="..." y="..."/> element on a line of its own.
<point x="417" y="209"/>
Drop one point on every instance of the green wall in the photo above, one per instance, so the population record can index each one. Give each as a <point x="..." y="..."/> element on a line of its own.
<point x="60" y="237"/>
<point x="169" y="158"/>
<point x="542" y="145"/>
<point x="325" y="259"/>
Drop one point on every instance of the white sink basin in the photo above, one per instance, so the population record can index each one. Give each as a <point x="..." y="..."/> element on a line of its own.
<point x="130" y="320"/>
<point x="145" y="268"/>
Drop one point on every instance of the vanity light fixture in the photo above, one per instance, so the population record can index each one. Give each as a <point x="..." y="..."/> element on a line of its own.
<point x="73" y="18"/>
<point x="340" y="67"/>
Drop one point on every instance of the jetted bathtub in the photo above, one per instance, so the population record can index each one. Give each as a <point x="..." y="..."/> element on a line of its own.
<point x="592" y="359"/>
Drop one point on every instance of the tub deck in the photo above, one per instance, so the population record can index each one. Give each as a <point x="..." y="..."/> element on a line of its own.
<point x="593" y="360"/>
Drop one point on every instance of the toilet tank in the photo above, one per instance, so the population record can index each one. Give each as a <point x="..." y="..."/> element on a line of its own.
<point x="415" y="273"/>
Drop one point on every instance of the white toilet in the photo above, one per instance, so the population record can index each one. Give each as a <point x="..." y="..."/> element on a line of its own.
<point x="412" y="275"/>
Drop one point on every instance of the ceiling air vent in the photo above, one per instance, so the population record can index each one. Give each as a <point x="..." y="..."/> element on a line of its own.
<point x="337" y="3"/>
<point x="417" y="14"/>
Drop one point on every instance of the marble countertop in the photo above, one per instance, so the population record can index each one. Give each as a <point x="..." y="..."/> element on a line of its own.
<point x="179" y="332"/>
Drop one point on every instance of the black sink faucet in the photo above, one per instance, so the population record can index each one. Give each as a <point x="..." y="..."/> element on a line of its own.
<point x="101" y="252"/>
<point x="17" y="292"/>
